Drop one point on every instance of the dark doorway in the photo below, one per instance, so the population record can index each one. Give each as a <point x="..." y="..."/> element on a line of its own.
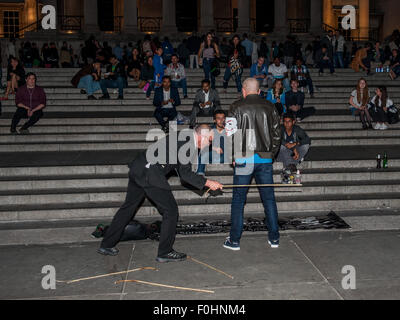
<point x="106" y="15"/>
<point x="265" y="16"/>
<point x="186" y="15"/>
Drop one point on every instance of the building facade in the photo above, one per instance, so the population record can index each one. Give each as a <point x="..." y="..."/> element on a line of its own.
<point x="375" y="19"/>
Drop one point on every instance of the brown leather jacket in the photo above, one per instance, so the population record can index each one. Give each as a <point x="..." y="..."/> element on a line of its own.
<point x="257" y="114"/>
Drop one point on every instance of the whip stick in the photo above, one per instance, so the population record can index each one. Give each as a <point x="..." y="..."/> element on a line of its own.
<point x="165" y="286"/>
<point x="230" y="186"/>
<point x="210" y="267"/>
<point x="107" y="275"/>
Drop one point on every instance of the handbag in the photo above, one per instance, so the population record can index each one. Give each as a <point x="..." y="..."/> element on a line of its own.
<point x="142" y="84"/>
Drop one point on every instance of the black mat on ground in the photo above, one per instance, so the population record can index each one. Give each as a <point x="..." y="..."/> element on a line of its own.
<point x="140" y="231"/>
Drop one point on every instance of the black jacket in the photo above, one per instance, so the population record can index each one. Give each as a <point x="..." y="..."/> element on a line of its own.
<point x="119" y="71"/>
<point x="299" y="136"/>
<point x="155" y="175"/>
<point x="260" y="115"/>
<point x="294" y="98"/>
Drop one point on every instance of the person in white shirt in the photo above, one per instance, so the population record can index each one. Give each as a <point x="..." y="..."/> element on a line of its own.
<point x="278" y="70"/>
<point x="177" y="73"/>
<point x="205" y="103"/>
<point x="359" y="101"/>
<point x="338" y="47"/>
<point x="379" y="108"/>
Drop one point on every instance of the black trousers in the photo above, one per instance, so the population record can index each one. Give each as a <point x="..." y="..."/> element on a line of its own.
<point x="23" y="113"/>
<point x="166" y="205"/>
<point x="160" y="113"/>
<point x="378" y="114"/>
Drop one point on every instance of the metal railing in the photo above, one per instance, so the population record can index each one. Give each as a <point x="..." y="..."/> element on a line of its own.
<point x="35" y="26"/>
<point x="299" y="25"/>
<point x="149" y="24"/>
<point x="356" y="35"/>
<point x="70" y="23"/>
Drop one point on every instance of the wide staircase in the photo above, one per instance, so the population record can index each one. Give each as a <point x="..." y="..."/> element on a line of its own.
<point x="71" y="172"/>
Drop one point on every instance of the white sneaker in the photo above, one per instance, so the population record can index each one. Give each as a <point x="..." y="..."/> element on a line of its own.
<point x="384" y="126"/>
<point x="377" y="126"/>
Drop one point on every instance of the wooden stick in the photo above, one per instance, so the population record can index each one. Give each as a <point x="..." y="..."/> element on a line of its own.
<point x="229" y="186"/>
<point x="106" y="275"/>
<point x="211" y="267"/>
<point x="165" y="286"/>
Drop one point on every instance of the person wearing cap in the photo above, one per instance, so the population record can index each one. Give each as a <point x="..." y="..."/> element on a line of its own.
<point x="30" y="101"/>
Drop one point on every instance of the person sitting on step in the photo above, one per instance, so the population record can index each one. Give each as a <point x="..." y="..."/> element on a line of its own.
<point x="115" y="77"/>
<point x="277" y="95"/>
<point x="295" y="102"/>
<point x="166" y="99"/>
<point x="300" y="72"/>
<point x="359" y="100"/>
<point x="30" y="101"/>
<point x="88" y="79"/>
<point x="379" y="107"/>
<point x="15" y="77"/>
<point x="205" y="103"/>
<point x="216" y="152"/>
<point x="295" y="143"/>
<point x="177" y="73"/>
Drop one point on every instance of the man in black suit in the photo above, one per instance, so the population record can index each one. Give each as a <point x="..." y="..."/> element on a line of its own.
<point x="147" y="178"/>
<point x="166" y="99"/>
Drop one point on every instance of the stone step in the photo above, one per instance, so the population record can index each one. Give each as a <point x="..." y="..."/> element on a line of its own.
<point x="76" y="119"/>
<point x="214" y="206"/>
<point x="42" y="172"/>
<point x="21" y="184"/>
<point x="93" y="136"/>
<point x="132" y="145"/>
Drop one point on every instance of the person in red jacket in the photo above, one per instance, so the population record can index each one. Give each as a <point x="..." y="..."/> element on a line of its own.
<point x="30" y="101"/>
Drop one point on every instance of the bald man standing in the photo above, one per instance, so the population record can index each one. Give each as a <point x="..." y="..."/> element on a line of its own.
<point x="259" y="130"/>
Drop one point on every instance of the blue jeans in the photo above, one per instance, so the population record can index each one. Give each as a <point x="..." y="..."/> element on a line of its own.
<point x="263" y="174"/>
<point x="150" y="89"/>
<point x="338" y="60"/>
<point x="89" y="85"/>
<point x="207" y="71"/>
<point x="120" y="83"/>
<point x="181" y="84"/>
<point x="228" y="76"/>
<point x="326" y="64"/>
<point x="209" y="157"/>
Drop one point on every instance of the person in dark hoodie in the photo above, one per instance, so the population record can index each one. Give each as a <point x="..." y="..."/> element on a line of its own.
<point x="295" y="142"/>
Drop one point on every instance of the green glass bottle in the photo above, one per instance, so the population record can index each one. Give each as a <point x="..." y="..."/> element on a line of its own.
<point x="385" y="161"/>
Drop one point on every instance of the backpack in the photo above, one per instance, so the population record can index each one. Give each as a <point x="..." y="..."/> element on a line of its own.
<point x="393" y="115"/>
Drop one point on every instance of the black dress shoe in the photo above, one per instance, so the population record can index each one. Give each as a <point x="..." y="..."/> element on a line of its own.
<point x="83" y="91"/>
<point x="105" y="97"/>
<point x="92" y="97"/>
<point x="173" y="256"/>
<point x="13" y="131"/>
<point x="108" y="251"/>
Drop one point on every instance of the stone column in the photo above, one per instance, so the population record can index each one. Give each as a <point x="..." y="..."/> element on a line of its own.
<point x="364" y="19"/>
<point x="168" y="25"/>
<point x="30" y="12"/>
<point x="91" y="16"/>
<point x="328" y="13"/>
<point x="130" y="17"/>
<point x="243" y="16"/>
<point x="281" y="23"/>
<point x="206" y="16"/>
<point x="316" y="17"/>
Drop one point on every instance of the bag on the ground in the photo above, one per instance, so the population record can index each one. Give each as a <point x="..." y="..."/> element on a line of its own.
<point x="393" y="115"/>
<point x="142" y="84"/>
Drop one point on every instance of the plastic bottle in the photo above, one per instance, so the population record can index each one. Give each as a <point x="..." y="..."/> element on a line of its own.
<point x="378" y="162"/>
<point x="298" y="177"/>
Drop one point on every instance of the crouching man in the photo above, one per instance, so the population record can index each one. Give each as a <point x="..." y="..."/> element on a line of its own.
<point x="148" y="178"/>
<point x="295" y="143"/>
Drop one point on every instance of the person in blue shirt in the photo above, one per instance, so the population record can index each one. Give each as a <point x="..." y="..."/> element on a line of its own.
<point x="259" y="70"/>
<point x="277" y="96"/>
<point x="248" y="45"/>
<point x="159" y="66"/>
<point x="118" y="52"/>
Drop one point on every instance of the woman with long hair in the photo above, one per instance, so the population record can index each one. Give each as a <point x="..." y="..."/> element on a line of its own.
<point x="379" y="108"/>
<point x="359" y="100"/>
<point x="147" y="76"/>
<point x="276" y="95"/>
<point x="134" y="65"/>
<point x="208" y="52"/>
<point x="15" y="77"/>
